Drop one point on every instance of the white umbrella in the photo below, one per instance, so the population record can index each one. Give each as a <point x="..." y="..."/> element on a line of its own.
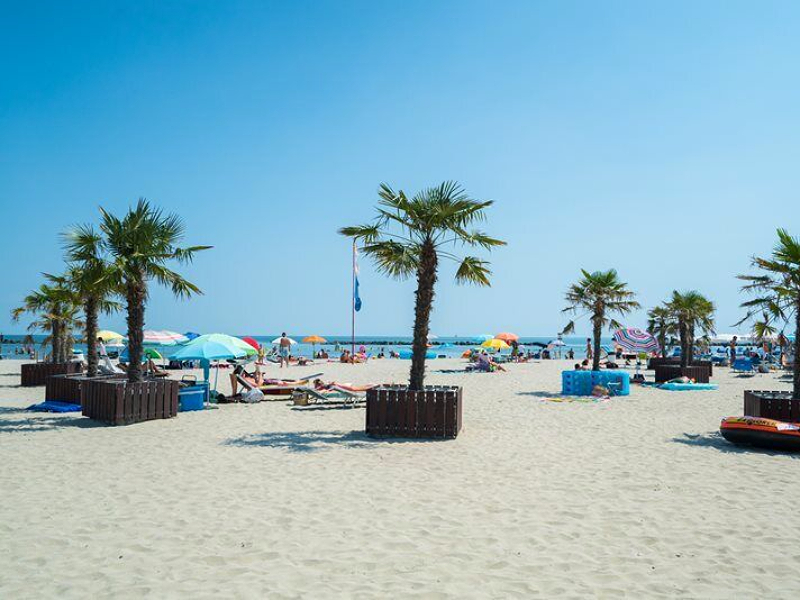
<point x="278" y="341"/>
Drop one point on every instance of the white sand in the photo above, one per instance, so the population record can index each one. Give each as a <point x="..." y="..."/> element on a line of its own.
<point x="635" y="497"/>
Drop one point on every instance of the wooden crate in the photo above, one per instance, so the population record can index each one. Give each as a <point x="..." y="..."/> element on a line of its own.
<point x="396" y="411"/>
<point x="118" y="402"/>
<point x="34" y="374"/>
<point x="772" y="405"/>
<point x="668" y="372"/>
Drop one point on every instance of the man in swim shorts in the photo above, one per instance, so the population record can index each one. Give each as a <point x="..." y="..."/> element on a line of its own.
<point x="284" y="347"/>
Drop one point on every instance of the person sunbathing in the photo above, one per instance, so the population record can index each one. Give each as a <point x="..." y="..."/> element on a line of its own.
<point x="349" y="387"/>
<point x="256" y="379"/>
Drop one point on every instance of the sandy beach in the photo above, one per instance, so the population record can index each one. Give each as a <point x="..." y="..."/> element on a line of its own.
<point x="630" y="497"/>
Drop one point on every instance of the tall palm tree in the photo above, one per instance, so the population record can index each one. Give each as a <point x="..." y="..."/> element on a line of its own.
<point x="89" y="275"/>
<point x="778" y="293"/>
<point x="56" y="307"/>
<point x="662" y="324"/>
<point x="409" y="236"/>
<point x="693" y="312"/>
<point x="141" y="244"/>
<point x="599" y="294"/>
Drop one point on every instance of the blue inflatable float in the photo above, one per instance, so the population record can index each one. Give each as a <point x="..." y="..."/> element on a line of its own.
<point x="686" y="387"/>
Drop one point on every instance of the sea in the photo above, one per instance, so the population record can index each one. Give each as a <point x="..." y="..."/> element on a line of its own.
<point x="445" y="347"/>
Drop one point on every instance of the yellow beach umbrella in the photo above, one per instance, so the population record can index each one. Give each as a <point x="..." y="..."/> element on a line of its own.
<point x="494" y="344"/>
<point x="314" y="340"/>
<point x="110" y="336"/>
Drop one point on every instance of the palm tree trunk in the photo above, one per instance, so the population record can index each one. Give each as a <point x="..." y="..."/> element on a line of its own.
<point x="66" y="343"/>
<point x="684" y="334"/>
<point x="55" y="343"/>
<point x="91" y="336"/>
<point x="135" y="294"/>
<point x="426" y="280"/>
<point x="796" y="363"/>
<point x="662" y="339"/>
<point x="597" y="322"/>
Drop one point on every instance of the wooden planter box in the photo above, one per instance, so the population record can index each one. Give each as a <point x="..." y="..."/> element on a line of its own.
<point x="705" y="363"/>
<point x="772" y="405"/>
<point x="118" y="402"/>
<point x="667" y="372"/>
<point x="435" y="412"/>
<point x="67" y="388"/>
<point x="658" y="361"/>
<point x="34" y="374"/>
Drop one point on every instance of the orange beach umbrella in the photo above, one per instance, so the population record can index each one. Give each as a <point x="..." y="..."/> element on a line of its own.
<point x="314" y="340"/>
<point x="507" y="337"/>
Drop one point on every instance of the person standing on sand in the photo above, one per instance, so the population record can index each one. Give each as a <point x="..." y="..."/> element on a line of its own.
<point x="733" y="349"/>
<point x="284" y="347"/>
<point x="589" y="353"/>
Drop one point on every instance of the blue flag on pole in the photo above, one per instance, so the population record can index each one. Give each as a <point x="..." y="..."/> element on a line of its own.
<point x="356" y="296"/>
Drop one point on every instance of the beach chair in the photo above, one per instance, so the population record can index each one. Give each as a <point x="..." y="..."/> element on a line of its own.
<point x="743" y="366"/>
<point x="331" y="395"/>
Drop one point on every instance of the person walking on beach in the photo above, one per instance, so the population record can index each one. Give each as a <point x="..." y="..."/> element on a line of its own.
<point x="589" y="353"/>
<point x="733" y="349"/>
<point x="284" y="346"/>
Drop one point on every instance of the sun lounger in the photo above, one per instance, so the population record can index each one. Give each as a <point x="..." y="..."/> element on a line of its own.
<point x="743" y="366"/>
<point x="331" y="395"/>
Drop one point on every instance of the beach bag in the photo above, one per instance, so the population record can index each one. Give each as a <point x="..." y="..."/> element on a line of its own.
<point x="252" y="396"/>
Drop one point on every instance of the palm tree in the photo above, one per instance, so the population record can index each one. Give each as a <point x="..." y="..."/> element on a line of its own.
<point x="661" y="323"/>
<point x="141" y="244"/>
<point x="599" y="294"/>
<point x="778" y="293"/>
<point x="693" y="312"/>
<point x="409" y="236"/>
<point x="89" y="275"/>
<point x="56" y="307"/>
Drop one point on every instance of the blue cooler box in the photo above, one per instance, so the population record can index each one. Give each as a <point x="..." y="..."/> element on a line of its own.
<point x="193" y="397"/>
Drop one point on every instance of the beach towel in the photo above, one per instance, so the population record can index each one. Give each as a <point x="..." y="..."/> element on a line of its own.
<point x="55" y="406"/>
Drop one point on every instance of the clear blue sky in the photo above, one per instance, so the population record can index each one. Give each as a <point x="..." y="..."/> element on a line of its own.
<point x="658" y="138"/>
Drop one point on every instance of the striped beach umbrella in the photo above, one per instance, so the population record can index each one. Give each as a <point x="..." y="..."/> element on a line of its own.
<point x="163" y="338"/>
<point x="636" y="340"/>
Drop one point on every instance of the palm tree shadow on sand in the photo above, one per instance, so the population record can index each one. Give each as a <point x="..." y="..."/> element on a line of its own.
<point x="715" y="441"/>
<point x="315" y="441"/>
<point x="27" y="422"/>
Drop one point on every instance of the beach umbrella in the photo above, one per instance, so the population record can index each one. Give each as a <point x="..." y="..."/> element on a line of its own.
<point x="636" y="340"/>
<point x="314" y="340"/>
<point x="507" y="337"/>
<point x="277" y="340"/>
<point x="148" y="353"/>
<point x="190" y="335"/>
<point x="494" y="344"/>
<point x="110" y="337"/>
<point x="254" y="343"/>
<point x="214" y="346"/>
<point x="556" y="343"/>
<point x="163" y="338"/>
<point x="484" y="336"/>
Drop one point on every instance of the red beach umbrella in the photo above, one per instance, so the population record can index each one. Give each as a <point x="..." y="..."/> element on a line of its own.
<point x="252" y="342"/>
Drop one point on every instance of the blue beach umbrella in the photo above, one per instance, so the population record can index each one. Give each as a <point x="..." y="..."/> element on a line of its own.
<point x="214" y="346"/>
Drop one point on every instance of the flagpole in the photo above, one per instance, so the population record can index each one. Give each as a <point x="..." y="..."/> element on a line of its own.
<point x="353" y="310"/>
